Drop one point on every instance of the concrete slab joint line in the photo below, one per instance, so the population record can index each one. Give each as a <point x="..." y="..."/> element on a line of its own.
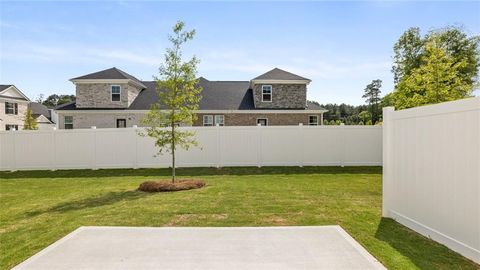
<point x="315" y="247"/>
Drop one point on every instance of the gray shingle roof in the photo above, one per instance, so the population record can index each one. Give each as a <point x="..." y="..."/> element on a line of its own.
<point x="39" y="109"/>
<point x="4" y="86"/>
<point x="279" y="74"/>
<point x="216" y="95"/>
<point x="111" y="73"/>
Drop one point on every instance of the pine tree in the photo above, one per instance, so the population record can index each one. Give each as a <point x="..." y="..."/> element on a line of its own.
<point x="372" y="94"/>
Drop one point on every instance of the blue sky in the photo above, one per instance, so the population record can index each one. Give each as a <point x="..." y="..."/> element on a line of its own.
<point x="341" y="46"/>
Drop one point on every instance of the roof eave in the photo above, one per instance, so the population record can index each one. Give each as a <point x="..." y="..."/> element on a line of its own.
<point x="306" y="81"/>
<point x="75" y="81"/>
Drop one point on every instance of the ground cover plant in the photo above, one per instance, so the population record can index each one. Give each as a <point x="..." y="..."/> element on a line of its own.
<point x="40" y="207"/>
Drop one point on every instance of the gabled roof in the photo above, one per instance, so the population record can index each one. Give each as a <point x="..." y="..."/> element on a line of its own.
<point x="5" y="86"/>
<point x="39" y="109"/>
<point x="280" y="75"/>
<point x="12" y="92"/>
<point x="109" y="74"/>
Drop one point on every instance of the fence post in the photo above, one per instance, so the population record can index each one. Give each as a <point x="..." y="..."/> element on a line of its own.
<point x="219" y="152"/>
<point x="135" y="140"/>
<point x="302" y="148"/>
<point x="53" y="156"/>
<point x="259" y="145"/>
<point x="344" y="144"/>
<point x="387" y="134"/>
<point x="94" y="158"/>
<point x="14" y="160"/>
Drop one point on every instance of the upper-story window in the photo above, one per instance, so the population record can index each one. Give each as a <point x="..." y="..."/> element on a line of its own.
<point x="11" y="108"/>
<point x="266" y="93"/>
<point x="116" y="92"/>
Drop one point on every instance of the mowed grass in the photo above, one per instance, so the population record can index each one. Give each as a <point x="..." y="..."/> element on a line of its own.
<point x="40" y="207"/>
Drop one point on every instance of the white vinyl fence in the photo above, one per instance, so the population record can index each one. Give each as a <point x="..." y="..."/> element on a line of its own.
<point x="431" y="172"/>
<point x="220" y="146"/>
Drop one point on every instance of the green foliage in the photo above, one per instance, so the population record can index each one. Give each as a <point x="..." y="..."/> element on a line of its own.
<point x="440" y="66"/>
<point x="410" y="49"/>
<point x="372" y="94"/>
<point x="338" y="122"/>
<point x="325" y="122"/>
<point x="369" y="122"/>
<point x="365" y="116"/>
<point x="437" y="79"/>
<point x="348" y="114"/>
<point x="179" y="98"/>
<point x="332" y="122"/>
<point x="361" y="123"/>
<point x="55" y="100"/>
<point x="29" y="122"/>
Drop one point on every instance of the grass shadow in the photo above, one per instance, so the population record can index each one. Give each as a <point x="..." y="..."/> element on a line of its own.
<point x="105" y="199"/>
<point x="421" y="251"/>
<point x="204" y="171"/>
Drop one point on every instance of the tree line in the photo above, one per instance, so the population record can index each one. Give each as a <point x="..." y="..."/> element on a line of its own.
<point x="440" y="66"/>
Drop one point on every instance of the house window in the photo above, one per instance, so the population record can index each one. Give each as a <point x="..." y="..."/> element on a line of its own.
<point x="121" y="123"/>
<point x="11" y="108"/>
<point x="313" y="120"/>
<point x="208" y="120"/>
<point x="68" y="122"/>
<point x="262" y="121"/>
<point x="11" y="127"/>
<point x="266" y="93"/>
<point x="219" y="120"/>
<point x="116" y="92"/>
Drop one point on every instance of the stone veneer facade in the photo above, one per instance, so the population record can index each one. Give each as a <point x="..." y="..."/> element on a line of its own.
<point x="13" y="119"/>
<point x="98" y="95"/>
<point x="284" y="96"/>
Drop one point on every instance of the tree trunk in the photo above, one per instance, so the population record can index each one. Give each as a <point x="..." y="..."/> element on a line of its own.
<point x="173" y="152"/>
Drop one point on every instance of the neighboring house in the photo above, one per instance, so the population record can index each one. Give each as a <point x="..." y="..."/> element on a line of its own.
<point x="113" y="98"/>
<point x="13" y="106"/>
<point x="43" y="116"/>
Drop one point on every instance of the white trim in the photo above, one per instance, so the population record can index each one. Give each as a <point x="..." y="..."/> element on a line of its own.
<point x="208" y="116"/>
<point x="281" y="81"/>
<point x="111" y="93"/>
<point x="17" y="90"/>
<point x="197" y="111"/>
<point x="7" y="99"/>
<point x="309" y="119"/>
<point x="109" y="81"/>
<point x="271" y="92"/>
<point x="262" y="118"/>
<point x="215" y="119"/>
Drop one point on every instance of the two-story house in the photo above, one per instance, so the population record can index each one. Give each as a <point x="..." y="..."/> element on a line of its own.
<point x="113" y="98"/>
<point x="13" y="106"/>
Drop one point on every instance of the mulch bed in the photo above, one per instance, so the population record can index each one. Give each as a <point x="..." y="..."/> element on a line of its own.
<point x="168" y="186"/>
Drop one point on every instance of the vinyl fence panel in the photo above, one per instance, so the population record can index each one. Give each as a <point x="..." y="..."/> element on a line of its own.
<point x="431" y="176"/>
<point x="219" y="147"/>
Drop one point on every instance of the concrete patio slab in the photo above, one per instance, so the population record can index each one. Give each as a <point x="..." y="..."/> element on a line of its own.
<point x="317" y="247"/>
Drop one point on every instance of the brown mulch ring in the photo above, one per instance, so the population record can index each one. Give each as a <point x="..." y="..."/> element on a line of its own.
<point x="167" y="185"/>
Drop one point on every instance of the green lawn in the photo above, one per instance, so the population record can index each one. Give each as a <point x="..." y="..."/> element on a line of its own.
<point x="40" y="207"/>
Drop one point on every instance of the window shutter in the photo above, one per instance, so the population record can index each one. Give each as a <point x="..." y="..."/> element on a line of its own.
<point x="6" y="106"/>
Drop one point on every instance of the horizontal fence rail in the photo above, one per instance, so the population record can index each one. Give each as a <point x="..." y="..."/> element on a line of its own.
<point x="219" y="147"/>
<point x="431" y="172"/>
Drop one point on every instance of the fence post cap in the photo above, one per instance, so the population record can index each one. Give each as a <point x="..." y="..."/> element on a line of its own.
<point x="300" y="124"/>
<point x="94" y="127"/>
<point x="134" y="126"/>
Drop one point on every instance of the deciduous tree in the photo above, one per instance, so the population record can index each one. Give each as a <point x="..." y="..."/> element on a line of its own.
<point x="178" y="98"/>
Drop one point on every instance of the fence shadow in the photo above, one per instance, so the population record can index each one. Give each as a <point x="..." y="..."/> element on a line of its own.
<point x="92" y="202"/>
<point x="204" y="171"/>
<point x="419" y="249"/>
